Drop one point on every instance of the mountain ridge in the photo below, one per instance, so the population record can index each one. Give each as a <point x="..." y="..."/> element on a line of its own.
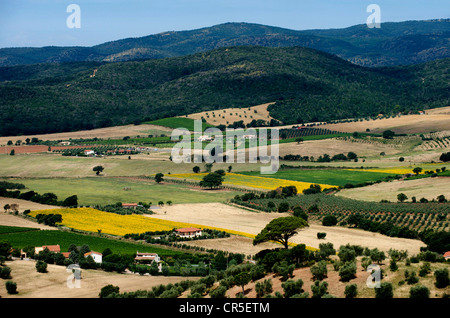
<point x="421" y="41"/>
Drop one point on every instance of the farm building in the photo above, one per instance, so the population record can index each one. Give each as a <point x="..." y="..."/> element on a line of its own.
<point x="95" y="255"/>
<point x="147" y="257"/>
<point x="51" y="248"/>
<point x="205" y="138"/>
<point x="89" y="152"/>
<point x="188" y="232"/>
<point x="129" y="205"/>
<point x="447" y="255"/>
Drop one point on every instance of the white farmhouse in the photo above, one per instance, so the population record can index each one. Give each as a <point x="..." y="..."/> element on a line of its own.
<point x="95" y="255"/>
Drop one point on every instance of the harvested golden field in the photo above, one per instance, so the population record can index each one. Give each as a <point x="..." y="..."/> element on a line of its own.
<point x="428" y="188"/>
<point x="230" y="217"/>
<point x="229" y="115"/>
<point x="104" y="133"/>
<point x="333" y="147"/>
<point x="433" y="120"/>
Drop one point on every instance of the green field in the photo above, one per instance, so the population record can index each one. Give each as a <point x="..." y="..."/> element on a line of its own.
<point x="65" y="239"/>
<point x="102" y="191"/>
<point x="339" y="177"/>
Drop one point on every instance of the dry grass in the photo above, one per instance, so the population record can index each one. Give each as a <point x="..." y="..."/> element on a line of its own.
<point x="229" y="217"/>
<point x="434" y="120"/>
<point x="428" y="188"/>
<point x="332" y="147"/>
<point x="53" y="284"/>
<point x="104" y="133"/>
<point x="229" y="115"/>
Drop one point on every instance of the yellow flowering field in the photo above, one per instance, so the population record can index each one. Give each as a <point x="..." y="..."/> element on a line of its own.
<point x="399" y="170"/>
<point x="256" y="182"/>
<point x="92" y="220"/>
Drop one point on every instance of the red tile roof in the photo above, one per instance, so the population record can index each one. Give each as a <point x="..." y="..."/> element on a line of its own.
<point x="52" y="248"/>
<point x="92" y="252"/>
<point x="188" y="230"/>
<point x="447" y="254"/>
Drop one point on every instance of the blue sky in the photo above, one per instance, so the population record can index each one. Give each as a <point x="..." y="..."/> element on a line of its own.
<point x="39" y="23"/>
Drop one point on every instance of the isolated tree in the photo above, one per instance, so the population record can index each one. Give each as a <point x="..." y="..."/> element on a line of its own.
<point x="41" y="266"/>
<point x="242" y="279"/>
<point x="401" y="197"/>
<point x="159" y="177"/>
<point x="388" y="134"/>
<point x="71" y="201"/>
<point x="442" y="278"/>
<point x="11" y="287"/>
<point x="329" y="220"/>
<point x="417" y="170"/>
<point x="98" y="169"/>
<point x="212" y="180"/>
<point x="280" y="230"/>
<point x="196" y="169"/>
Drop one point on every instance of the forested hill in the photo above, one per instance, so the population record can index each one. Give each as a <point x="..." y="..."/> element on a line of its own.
<point x="395" y="43"/>
<point x="308" y="84"/>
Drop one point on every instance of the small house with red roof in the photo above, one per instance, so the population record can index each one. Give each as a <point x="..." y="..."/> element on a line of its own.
<point x="95" y="255"/>
<point x="147" y="257"/>
<point x="447" y="255"/>
<point x="188" y="232"/>
<point x="51" y="248"/>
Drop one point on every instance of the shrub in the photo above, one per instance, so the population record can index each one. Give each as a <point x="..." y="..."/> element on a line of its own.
<point x="319" y="271"/>
<point x="411" y="277"/>
<point x="292" y="287"/>
<point x="385" y="291"/>
<point x="321" y="235"/>
<point x="283" y="207"/>
<point x="41" y="267"/>
<point x="442" y="278"/>
<point x="219" y="292"/>
<point x="419" y="291"/>
<point x="351" y="291"/>
<point x="108" y="290"/>
<point x="425" y="269"/>
<point x="319" y="289"/>
<point x="329" y="220"/>
<point x="11" y="287"/>
<point x="347" y="271"/>
<point x="326" y="250"/>
<point x="263" y="288"/>
<point x="347" y="253"/>
<point x="393" y="265"/>
<point x="5" y="272"/>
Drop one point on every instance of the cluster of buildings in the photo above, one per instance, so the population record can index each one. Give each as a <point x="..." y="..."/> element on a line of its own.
<point x="145" y="258"/>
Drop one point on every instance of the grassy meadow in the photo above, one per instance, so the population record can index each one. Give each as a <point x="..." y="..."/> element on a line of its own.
<point x="337" y="177"/>
<point x="109" y="190"/>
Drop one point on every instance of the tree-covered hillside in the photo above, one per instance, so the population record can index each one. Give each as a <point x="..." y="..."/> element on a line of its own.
<point x="308" y="84"/>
